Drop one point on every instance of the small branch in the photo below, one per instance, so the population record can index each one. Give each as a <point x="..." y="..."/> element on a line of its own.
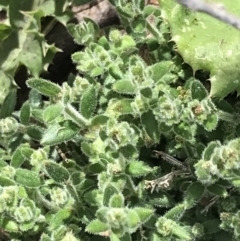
<point x="215" y="10"/>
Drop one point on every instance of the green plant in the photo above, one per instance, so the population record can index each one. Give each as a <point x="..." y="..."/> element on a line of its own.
<point x="23" y="37"/>
<point x="79" y="165"/>
<point x="192" y="33"/>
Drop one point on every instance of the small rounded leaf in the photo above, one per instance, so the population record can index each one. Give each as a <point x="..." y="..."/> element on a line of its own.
<point x="121" y="107"/>
<point x="96" y="168"/>
<point x="35" y="132"/>
<point x="35" y="99"/>
<point x="124" y="87"/>
<point x="99" y="120"/>
<point x="9" y="103"/>
<point x="9" y="225"/>
<point x="207" y="154"/>
<point x="198" y="90"/>
<point x="148" y="10"/>
<point x="129" y="151"/>
<point x="21" y="154"/>
<point x="211" y="122"/>
<point x="56" y="172"/>
<point x="56" y="134"/>
<point x="27" y="178"/>
<point x="203" y="173"/>
<point x="146" y="92"/>
<point x="127" y="42"/>
<point x="160" y="69"/>
<point x="109" y="191"/>
<point x="151" y="125"/>
<point x="175" y="212"/>
<point x="218" y="190"/>
<point x="194" y="193"/>
<point x="102" y="214"/>
<point x="133" y="219"/>
<point x="116" y="201"/>
<point x="4" y="182"/>
<point x="52" y="112"/>
<point x="185" y="130"/>
<point x="137" y="168"/>
<point x="59" y="218"/>
<point x="86" y="148"/>
<point x="96" y="226"/>
<point x="115" y="71"/>
<point x="25" y="113"/>
<point x="144" y="213"/>
<point x="44" y="87"/>
<point x="88" y="102"/>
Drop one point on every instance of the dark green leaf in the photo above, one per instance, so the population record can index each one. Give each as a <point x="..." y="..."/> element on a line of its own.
<point x="57" y="172"/>
<point x="58" y="133"/>
<point x="25" y="113"/>
<point x="150" y="124"/>
<point x="44" y="87"/>
<point x="88" y="102"/>
<point x="9" y="104"/>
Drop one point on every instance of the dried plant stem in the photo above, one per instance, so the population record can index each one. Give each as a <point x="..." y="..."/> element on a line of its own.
<point x="170" y="159"/>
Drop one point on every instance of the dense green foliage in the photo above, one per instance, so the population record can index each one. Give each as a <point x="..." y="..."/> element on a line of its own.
<point x="132" y="148"/>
